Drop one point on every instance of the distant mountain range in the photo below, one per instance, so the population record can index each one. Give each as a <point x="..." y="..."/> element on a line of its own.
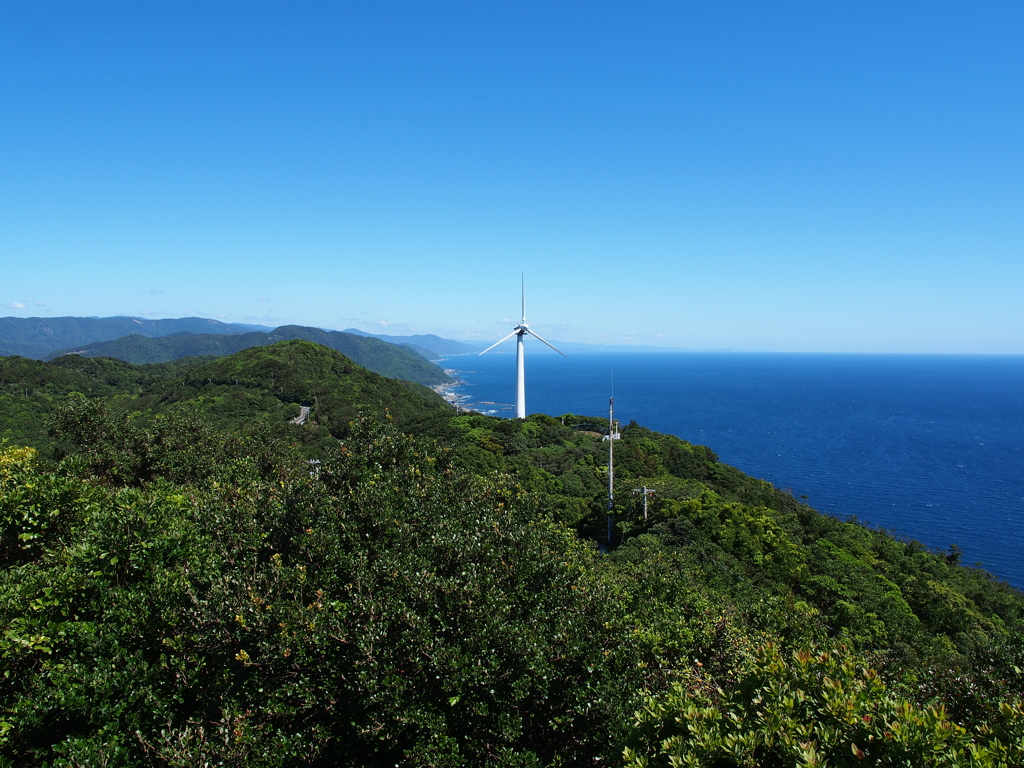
<point x="426" y="341"/>
<point x="139" y="341"/>
<point x="37" y="337"/>
<point x="391" y="360"/>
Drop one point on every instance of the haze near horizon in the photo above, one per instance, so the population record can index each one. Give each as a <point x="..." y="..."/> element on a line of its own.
<point x="841" y="178"/>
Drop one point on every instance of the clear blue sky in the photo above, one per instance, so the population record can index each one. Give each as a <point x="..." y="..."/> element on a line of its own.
<point x="797" y="176"/>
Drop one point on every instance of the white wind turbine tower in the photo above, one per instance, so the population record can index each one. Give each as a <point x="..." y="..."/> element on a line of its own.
<point x="519" y="332"/>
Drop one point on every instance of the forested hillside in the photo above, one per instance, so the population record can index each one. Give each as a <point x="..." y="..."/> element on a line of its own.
<point x="398" y="362"/>
<point x="189" y="579"/>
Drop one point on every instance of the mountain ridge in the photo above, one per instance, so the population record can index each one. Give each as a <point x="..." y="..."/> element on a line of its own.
<point x="438" y="345"/>
<point x="37" y="337"/>
<point x="386" y="359"/>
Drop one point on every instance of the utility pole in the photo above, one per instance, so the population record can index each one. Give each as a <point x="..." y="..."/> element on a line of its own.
<point x="611" y="465"/>
<point x="645" y="491"/>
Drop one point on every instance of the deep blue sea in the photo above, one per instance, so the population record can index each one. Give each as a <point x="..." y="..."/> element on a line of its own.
<point x="926" y="446"/>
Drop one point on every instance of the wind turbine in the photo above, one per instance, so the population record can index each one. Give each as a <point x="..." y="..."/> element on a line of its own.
<point x="520" y="332"/>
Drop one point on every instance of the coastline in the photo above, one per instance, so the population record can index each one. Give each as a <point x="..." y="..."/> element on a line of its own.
<point x="928" y="447"/>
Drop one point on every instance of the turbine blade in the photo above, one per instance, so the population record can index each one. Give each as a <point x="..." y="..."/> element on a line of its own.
<point x="534" y="333"/>
<point x="499" y="342"/>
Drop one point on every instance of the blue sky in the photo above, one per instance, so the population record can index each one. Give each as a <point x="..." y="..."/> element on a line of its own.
<point x="762" y="176"/>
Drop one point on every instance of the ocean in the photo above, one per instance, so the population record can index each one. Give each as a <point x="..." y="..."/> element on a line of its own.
<point x="928" y="447"/>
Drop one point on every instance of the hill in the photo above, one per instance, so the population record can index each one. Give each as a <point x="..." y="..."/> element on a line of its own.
<point x="37" y="337"/>
<point x="178" y="587"/>
<point x="268" y="384"/>
<point x="381" y="357"/>
<point x="30" y="389"/>
<point x="273" y="380"/>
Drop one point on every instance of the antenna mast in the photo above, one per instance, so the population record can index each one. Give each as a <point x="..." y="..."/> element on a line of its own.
<point x="611" y="462"/>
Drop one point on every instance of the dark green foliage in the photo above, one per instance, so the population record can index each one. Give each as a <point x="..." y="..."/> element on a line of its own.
<point x="265" y="379"/>
<point x="391" y="610"/>
<point x="178" y="445"/>
<point x="266" y="383"/>
<point x="30" y="389"/>
<point x="811" y="711"/>
<point x="179" y="586"/>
